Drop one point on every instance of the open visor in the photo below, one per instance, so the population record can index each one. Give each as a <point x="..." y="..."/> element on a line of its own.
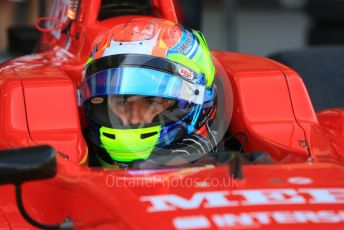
<point x="141" y="81"/>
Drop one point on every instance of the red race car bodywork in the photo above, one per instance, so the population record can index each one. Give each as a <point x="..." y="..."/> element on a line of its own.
<point x="303" y="188"/>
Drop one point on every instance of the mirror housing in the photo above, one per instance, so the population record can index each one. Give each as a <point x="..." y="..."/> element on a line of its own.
<point x="27" y="164"/>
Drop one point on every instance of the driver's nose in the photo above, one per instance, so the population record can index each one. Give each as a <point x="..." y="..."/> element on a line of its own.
<point x="136" y="114"/>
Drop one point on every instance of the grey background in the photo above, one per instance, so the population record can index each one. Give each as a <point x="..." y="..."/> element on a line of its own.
<point x="262" y="27"/>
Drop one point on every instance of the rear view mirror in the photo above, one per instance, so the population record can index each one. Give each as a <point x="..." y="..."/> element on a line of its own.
<point x="26" y="164"/>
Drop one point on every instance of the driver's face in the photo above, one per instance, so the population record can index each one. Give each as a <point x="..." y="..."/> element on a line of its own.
<point x="138" y="110"/>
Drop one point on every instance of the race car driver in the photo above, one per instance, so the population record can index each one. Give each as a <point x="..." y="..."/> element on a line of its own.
<point x="148" y="96"/>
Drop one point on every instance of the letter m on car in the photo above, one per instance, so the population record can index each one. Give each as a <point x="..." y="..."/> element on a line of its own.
<point x="172" y="202"/>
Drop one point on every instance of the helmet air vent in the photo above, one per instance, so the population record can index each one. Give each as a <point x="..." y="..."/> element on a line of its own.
<point x="109" y="135"/>
<point x="146" y="135"/>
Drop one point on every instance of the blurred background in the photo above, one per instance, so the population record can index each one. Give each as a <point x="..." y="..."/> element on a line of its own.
<point x="266" y="26"/>
<point x="307" y="35"/>
<point x="17" y="33"/>
<point x="249" y="26"/>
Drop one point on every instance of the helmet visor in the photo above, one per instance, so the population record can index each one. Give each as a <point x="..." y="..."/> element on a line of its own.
<point x="143" y="82"/>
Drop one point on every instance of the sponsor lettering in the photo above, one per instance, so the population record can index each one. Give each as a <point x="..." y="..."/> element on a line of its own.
<point x="259" y="219"/>
<point x="250" y="197"/>
<point x="97" y="100"/>
<point x="185" y="73"/>
<point x="186" y="46"/>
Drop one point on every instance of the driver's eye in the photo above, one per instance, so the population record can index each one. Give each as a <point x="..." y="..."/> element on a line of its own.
<point x="121" y="102"/>
<point x="151" y="102"/>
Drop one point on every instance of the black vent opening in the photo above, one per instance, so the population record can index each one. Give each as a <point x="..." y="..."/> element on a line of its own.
<point x="146" y="135"/>
<point x="109" y="135"/>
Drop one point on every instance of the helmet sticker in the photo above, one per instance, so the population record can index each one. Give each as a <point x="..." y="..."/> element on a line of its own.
<point x="185" y="73"/>
<point x="97" y="100"/>
<point x="124" y="47"/>
<point x="187" y="44"/>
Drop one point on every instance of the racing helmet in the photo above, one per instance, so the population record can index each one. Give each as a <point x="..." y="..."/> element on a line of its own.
<point x="166" y="68"/>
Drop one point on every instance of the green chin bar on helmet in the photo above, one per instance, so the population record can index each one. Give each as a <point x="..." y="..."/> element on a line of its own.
<point x="127" y="145"/>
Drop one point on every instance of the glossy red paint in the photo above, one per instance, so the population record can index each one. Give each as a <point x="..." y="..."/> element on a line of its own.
<point x="39" y="105"/>
<point x="263" y="107"/>
<point x="14" y="130"/>
<point x="332" y="126"/>
<point x="3" y="221"/>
